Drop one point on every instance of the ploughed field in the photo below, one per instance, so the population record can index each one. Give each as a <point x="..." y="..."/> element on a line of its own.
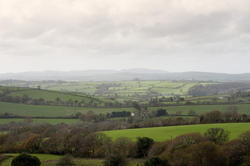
<point x="170" y="132"/>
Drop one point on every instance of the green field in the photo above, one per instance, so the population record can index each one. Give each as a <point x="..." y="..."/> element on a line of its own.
<point x="166" y="133"/>
<point x="50" y="111"/>
<point x="39" y="121"/>
<point x="201" y="109"/>
<point x="121" y="90"/>
<point x="51" y="160"/>
<point x="50" y="95"/>
<point x="55" y="111"/>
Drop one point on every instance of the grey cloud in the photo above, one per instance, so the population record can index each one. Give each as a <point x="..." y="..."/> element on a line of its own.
<point x="138" y="28"/>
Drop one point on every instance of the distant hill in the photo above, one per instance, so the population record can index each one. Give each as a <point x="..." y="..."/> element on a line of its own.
<point x="122" y="75"/>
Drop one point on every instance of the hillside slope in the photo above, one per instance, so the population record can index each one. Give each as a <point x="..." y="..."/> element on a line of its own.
<point x="47" y="97"/>
<point x="167" y="133"/>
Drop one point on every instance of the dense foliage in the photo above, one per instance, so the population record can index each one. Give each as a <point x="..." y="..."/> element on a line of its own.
<point x="25" y="160"/>
<point x="194" y="149"/>
<point x="67" y="160"/>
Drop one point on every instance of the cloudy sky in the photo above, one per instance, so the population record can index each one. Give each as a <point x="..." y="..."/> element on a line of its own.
<point x="173" y="35"/>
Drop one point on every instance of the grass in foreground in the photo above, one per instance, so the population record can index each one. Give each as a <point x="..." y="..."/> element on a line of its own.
<point x="166" y="133"/>
<point x="51" y="160"/>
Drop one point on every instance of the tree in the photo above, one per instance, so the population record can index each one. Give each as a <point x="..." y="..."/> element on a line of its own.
<point x="123" y="147"/>
<point x="178" y="113"/>
<point x="32" y="144"/>
<point x="202" y="154"/>
<point x="156" y="161"/>
<point x="188" y="139"/>
<point x="143" y="145"/>
<point x="234" y="150"/>
<point x="115" y="161"/>
<point x="211" y="117"/>
<point x="158" y="148"/>
<point x="246" y="161"/>
<point x="54" y="144"/>
<point x="67" y="160"/>
<point x="89" y="116"/>
<point x="192" y="113"/>
<point x="25" y="160"/>
<point x="161" y="112"/>
<point x="217" y="135"/>
<point x="137" y="106"/>
<point x="245" y="141"/>
<point x="207" y="154"/>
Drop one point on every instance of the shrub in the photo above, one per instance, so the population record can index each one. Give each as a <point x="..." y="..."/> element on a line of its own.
<point x="217" y="135"/>
<point x="143" y="145"/>
<point x="188" y="139"/>
<point x="202" y="154"/>
<point x="67" y="160"/>
<point x="25" y="160"/>
<point x="156" y="161"/>
<point x="115" y="161"/>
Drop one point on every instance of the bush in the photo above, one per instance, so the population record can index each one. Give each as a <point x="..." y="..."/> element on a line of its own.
<point x="202" y="154"/>
<point x="156" y="161"/>
<point x="217" y="135"/>
<point x="143" y="145"/>
<point x="25" y="160"/>
<point x="67" y="160"/>
<point x="161" y="112"/>
<point x="115" y="161"/>
<point x="188" y="139"/>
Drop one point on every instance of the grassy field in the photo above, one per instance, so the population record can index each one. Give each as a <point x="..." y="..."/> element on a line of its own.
<point x="51" y="111"/>
<point x="55" y="111"/>
<point x="50" y="95"/>
<point x="51" y="160"/>
<point x="166" y="133"/>
<point x="50" y="121"/>
<point x="122" y="90"/>
<point x="201" y="109"/>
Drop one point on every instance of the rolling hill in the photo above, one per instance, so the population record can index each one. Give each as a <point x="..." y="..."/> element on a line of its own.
<point x="37" y="96"/>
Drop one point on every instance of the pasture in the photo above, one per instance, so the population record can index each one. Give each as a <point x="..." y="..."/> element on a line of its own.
<point x="167" y="133"/>
<point x="62" y="111"/>
<point x="40" y="121"/>
<point x="121" y="90"/>
<point x="50" y="96"/>
<point x="51" y="111"/>
<point x="201" y="109"/>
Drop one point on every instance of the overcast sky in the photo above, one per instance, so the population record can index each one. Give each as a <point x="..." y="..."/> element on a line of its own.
<point x="173" y="35"/>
